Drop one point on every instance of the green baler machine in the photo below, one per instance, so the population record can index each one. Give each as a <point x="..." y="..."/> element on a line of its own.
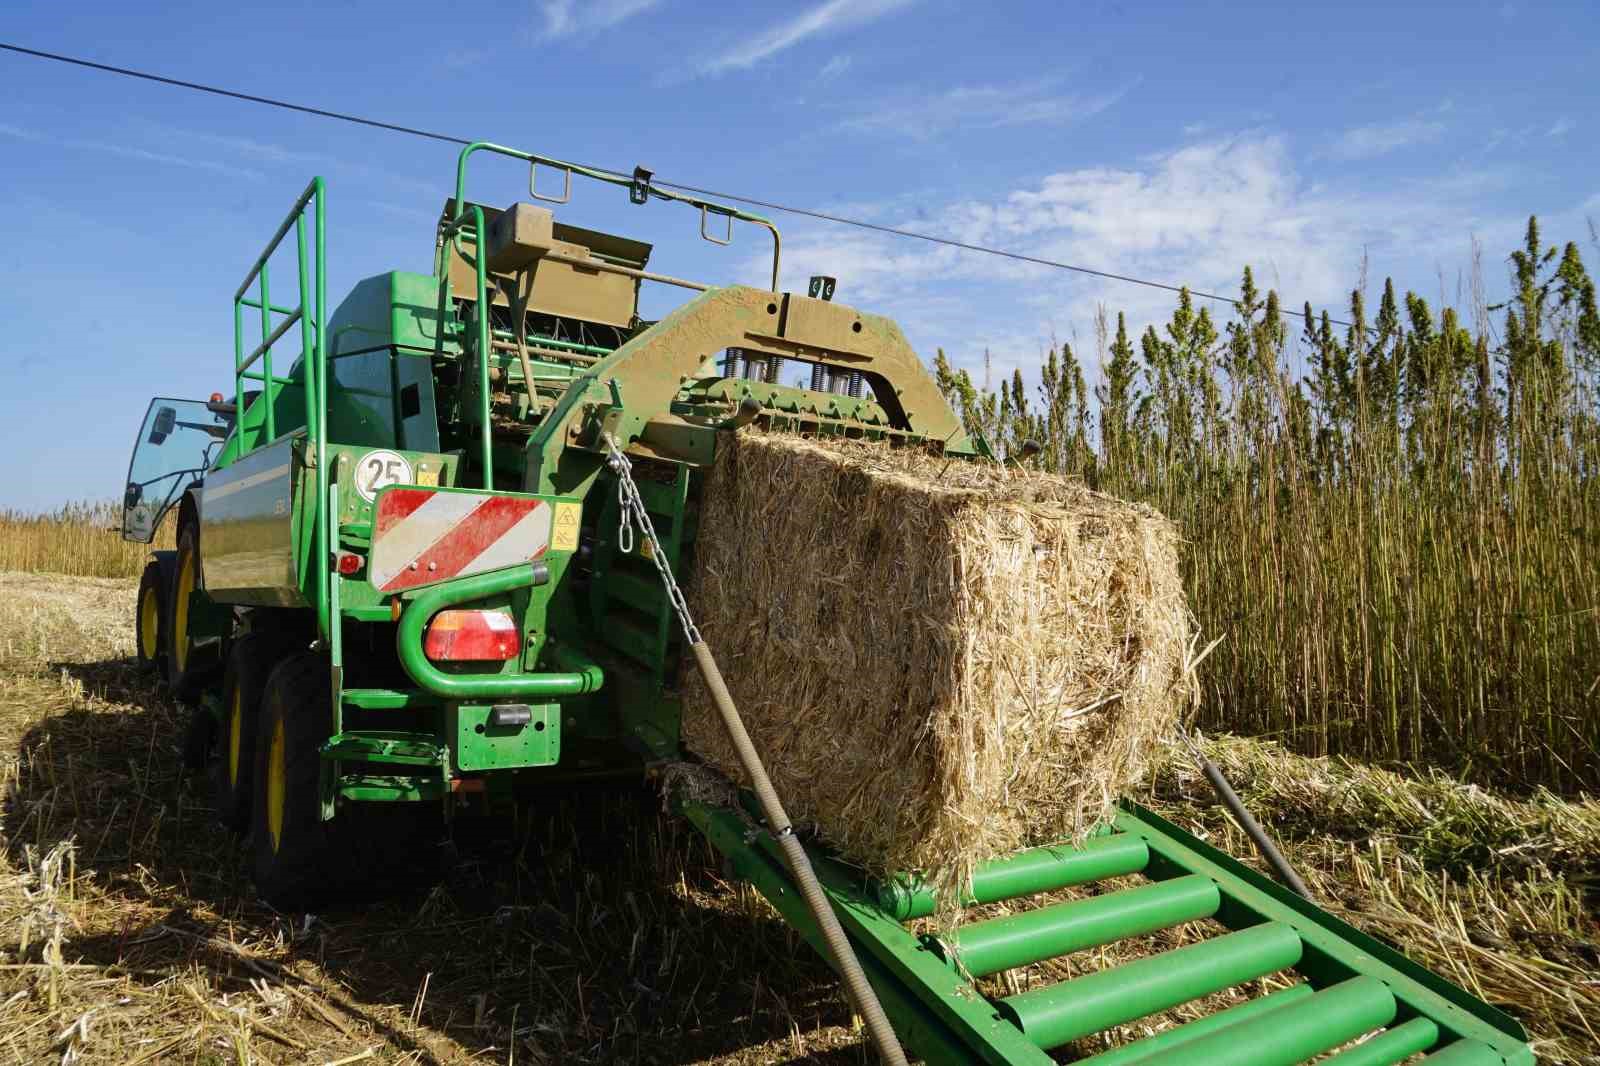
<point x="431" y="562"/>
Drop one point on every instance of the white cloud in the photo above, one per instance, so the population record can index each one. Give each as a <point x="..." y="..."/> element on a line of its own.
<point x="1369" y="142"/>
<point x="983" y="107"/>
<point x="828" y="17"/>
<point x="125" y="151"/>
<point x="568" y="18"/>
<point x="1562" y="126"/>
<point x="1194" y="215"/>
<point x="834" y="67"/>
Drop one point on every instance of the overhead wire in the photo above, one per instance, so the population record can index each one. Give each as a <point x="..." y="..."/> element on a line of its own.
<point x="769" y="205"/>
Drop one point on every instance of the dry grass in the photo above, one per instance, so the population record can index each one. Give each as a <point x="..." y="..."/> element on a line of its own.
<point x="595" y="929"/>
<point x="82" y="539"/>
<point x="941" y="662"/>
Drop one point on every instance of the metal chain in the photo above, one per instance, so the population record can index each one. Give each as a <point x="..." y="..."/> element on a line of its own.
<point x="633" y="508"/>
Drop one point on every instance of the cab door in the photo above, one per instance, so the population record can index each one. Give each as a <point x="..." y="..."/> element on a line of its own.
<point x="176" y="441"/>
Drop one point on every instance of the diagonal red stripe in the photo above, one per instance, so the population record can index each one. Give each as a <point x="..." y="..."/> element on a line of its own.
<point x="452" y="553"/>
<point x="397" y="506"/>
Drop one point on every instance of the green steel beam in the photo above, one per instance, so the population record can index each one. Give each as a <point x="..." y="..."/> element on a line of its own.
<point x="1045" y="932"/>
<point x="1055" y="1014"/>
<point x="1466" y="1053"/>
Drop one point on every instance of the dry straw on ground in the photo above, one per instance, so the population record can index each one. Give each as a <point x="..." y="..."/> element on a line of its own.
<point x="940" y="661"/>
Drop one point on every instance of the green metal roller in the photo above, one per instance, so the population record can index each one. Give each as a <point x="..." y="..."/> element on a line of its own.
<point x="1390" y="1046"/>
<point x="1023" y="874"/>
<point x="1183" y="1035"/>
<point x="1019" y="939"/>
<point x="1338" y="1013"/>
<point x="1055" y="1014"/>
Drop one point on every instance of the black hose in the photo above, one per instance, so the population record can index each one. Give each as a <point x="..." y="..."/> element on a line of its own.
<point x="1269" y="851"/>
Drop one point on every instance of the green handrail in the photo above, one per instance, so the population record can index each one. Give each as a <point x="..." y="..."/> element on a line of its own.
<point x="313" y="359"/>
<point x="581" y="675"/>
<point x="624" y="180"/>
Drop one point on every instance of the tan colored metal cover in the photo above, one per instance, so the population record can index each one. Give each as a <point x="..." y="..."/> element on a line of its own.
<point x="558" y="288"/>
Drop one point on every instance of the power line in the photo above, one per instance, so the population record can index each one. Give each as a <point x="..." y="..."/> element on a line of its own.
<point x="769" y="205"/>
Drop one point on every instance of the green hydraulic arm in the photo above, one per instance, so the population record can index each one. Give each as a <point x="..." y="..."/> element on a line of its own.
<point x="1340" y="984"/>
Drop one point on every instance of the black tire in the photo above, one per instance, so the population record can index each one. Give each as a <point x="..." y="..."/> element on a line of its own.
<point x="301" y="861"/>
<point x="150" y="620"/>
<point x="250" y="664"/>
<point x="187" y="672"/>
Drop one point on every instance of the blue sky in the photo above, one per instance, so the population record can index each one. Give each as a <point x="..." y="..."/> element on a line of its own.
<point x="1175" y="141"/>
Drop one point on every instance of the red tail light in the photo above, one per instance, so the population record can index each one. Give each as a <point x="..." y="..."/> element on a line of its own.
<point x="349" y="563"/>
<point x="471" y="636"/>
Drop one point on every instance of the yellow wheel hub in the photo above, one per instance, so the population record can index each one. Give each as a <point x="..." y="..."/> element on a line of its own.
<point x="149" y="617"/>
<point x="277" y="785"/>
<point x="180" y="611"/>
<point x="235" y="731"/>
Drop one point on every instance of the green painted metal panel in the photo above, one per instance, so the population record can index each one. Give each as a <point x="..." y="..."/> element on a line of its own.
<point x="1045" y="932"/>
<point x="479" y="744"/>
<point x="1296" y="1033"/>
<point x="1391" y="1046"/>
<point x="1055" y="1014"/>
<point x="1181" y="1036"/>
<point x="247" y="528"/>
<point x="1026" y="873"/>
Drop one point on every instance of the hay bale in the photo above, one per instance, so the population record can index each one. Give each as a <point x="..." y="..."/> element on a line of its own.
<point x="939" y="661"/>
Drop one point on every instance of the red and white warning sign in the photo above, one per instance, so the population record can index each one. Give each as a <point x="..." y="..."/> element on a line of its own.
<point x="421" y="536"/>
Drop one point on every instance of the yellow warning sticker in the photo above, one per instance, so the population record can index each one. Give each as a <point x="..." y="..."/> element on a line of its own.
<point x="427" y="477"/>
<point x="564" y="527"/>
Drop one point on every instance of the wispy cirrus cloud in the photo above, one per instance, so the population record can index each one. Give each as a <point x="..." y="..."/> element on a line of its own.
<point x="1381" y="138"/>
<point x="984" y="107"/>
<point x="127" y="151"/>
<point x="570" y="18"/>
<point x="828" y="17"/>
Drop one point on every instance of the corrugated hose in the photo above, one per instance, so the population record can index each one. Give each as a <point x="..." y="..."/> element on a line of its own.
<point x="839" y="951"/>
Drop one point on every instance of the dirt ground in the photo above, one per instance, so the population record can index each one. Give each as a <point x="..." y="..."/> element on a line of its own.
<point x="597" y="928"/>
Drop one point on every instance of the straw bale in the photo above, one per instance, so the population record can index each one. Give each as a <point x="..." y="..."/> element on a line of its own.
<point x="940" y="661"/>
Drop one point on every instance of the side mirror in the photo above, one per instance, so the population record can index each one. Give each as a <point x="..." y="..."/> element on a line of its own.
<point x="166" y="421"/>
<point x="132" y="496"/>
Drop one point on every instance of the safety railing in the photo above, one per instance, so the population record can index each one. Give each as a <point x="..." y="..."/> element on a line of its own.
<point x="310" y="314"/>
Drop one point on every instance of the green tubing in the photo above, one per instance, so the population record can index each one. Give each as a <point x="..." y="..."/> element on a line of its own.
<point x="1183" y="1035"/>
<point x="1038" y="870"/>
<point x="1335" y="1014"/>
<point x="1465" y="1053"/>
<point x="578" y="676"/>
<point x="1391" y="1046"/>
<point x="1019" y="939"/>
<point x="1057" y="1013"/>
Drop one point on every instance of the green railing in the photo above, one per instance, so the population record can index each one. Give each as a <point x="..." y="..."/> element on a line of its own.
<point x="310" y="313"/>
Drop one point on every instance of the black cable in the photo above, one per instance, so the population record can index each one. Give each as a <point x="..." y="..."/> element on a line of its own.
<point x="766" y="204"/>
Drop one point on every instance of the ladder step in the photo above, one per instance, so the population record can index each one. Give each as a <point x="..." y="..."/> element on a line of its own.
<point x="400" y="749"/>
<point x="1052" y="1015"/>
<point x="1183" y="1035"/>
<point x="1391" y="1046"/>
<point x="390" y="788"/>
<point x="1020" y="939"/>
<point x="1298" y="1032"/>
<point x="1027" y="873"/>
<point x="388" y="699"/>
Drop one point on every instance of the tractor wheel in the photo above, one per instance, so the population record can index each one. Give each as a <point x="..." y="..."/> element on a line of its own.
<point x="250" y="663"/>
<point x="186" y="673"/>
<point x="300" y="860"/>
<point x="150" y="620"/>
<point x="297" y="863"/>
